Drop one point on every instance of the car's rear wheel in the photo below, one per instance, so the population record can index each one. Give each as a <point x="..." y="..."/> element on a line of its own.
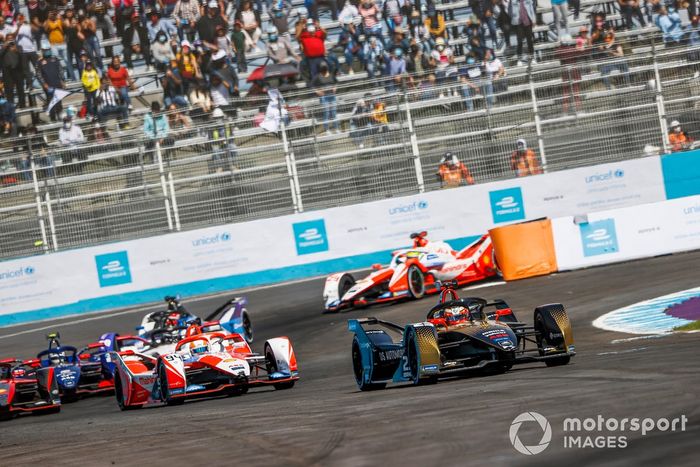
<point x="119" y="393"/>
<point x="416" y="281"/>
<point x="359" y="371"/>
<point x="247" y="327"/>
<point x="272" y="368"/>
<point x="165" y="389"/>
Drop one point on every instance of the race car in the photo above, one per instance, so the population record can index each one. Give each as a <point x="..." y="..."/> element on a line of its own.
<point x="76" y="373"/>
<point x="203" y="364"/>
<point x="412" y="273"/>
<point x="170" y="324"/>
<point x="25" y="388"/>
<point x="460" y="335"/>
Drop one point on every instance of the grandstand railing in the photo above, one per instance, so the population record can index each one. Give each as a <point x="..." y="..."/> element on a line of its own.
<point x="53" y="198"/>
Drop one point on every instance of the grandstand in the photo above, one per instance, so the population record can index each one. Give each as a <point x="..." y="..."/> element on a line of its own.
<point x="118" y="185"/>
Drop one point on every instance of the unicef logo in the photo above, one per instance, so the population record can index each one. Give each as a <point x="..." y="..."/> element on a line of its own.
<point x="29" y="270"/>
<point x="225" y="237"/>
<point x="422" y="204"/>
<point x="619" y="173"/>
<point x="546" y="433"/>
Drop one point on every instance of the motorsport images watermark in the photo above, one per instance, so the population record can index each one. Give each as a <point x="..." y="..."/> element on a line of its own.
<point x="593" y="432"/>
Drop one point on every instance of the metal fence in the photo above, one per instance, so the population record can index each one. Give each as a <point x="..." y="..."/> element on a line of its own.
<point x="119" y="186"/>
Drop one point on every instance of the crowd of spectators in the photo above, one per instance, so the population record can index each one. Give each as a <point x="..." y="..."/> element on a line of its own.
<point x="196" y="50"/>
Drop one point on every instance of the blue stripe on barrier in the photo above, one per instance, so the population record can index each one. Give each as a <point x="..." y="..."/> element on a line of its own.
<point x="681" y="173"/>
<point x="238" y="281"/>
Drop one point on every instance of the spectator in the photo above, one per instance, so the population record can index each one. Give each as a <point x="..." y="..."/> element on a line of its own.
<point x="178" y="119"/>
<point x="91" y="84"/>
<point x="325" y="85"/>
<point x="428" y="88"/>
<point x="349" y="41"/>
<point x="168" y="7"/>
<point x="135" y="40"/>
<point x="669" y="22"/>
<point x="162" y="51"/>
<point x="360" y="122"/>
<point x="313" y="44"/>
<point x="173" y="89"/>
<point x="208" y="24"/>
<point x="27" y="48"/>
<point x="281" y="13"/>
<point x="12" y="73"/>
<point x="238" y="39"/>
<point x="8" y="117"/>
<point x="108" y="103"/>
<point x="155" y="126"/>
<point x="71" y="136"/>
<point x="97" y="12"/>
<point x="442" y="58"/>
<point x="222" y="42"/>
<point x="399" y="40"/>
<point x="607" y="48"/>
<point x="186" y="14"/>
<point x="523" y="161"/>
<point x="419" y="32"/>
<point x="569" y="54"/>
<point x="7" y="27"/>
<point x="156" y="24"/>
<point x="349" y="12"/>
<point x="220" y="67"/>
<point x="582" y="39"/>
<point x="693" y="31"/>
<point x="452" y="172"/>
<point x="38" y="14"/>
<point x="250" y="21"/>
<point x="123" y="11"/>
<point x="419" y="62"/>
<point x="470" y="77"/>
<point x="88" y="27"/>
<point x="560" y="10"/>
<point x="678" y="139"/>
<point x="500" y="12"/>
<point x="488" y="19"/>
<point x="312" y="6"/>
<point x="200" y="100"/>
<point x="219" y="93"/>
<point x="53" y="28"/>
<point x="221" y="143"/>
<point x="522" y="17"/>
<point x="50" y="76"/>
<point x="435" y="23"/>
<point x="374" y="56"/>
<point x="188" y="66"/>
<point x="371" y="25"/>
<point x="379" y="121"/>
<point x="393" y="12"/>
<point x="280" y="51"/>
<point x="74" y="38"/>
<point x="630" y="9"/>
<point x="495" y="77"/>
<point x="397" y="66"/>
<point x="120" y="80"/>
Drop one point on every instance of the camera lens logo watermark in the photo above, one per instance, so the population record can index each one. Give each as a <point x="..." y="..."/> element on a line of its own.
<point x="546" y="433"/>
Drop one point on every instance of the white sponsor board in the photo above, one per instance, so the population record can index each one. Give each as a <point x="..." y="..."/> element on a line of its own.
<point x="310" y="238"/>
<point x="628" y="233"/>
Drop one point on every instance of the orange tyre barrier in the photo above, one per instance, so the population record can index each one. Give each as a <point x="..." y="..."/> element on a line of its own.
<point x="525" y="250"/>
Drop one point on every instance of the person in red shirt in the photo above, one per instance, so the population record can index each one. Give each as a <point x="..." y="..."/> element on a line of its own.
<point x="313" y="43"/>
<point x="122" y="82"/>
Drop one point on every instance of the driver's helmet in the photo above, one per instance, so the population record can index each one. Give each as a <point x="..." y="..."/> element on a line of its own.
<point x="55" y="359"/>
<point x="419" y="240"/>
<point x="172" y="321"/>
<point x="456" y="315"/>
<point x="18" y="372"/>
<point x="198" y="347"/>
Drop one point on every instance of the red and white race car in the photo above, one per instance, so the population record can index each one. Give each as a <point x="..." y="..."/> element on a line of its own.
<point x="412" y="273"/>
<point x="202" y="364"/>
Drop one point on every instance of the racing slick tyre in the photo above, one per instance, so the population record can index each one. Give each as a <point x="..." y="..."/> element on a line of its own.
<point x="359" y="371"/>
<point x="47" y="411"/>
<point x="247" y="327"/>
<point x="5" y="414"/>
<point x="272" y="368"/>
<point x="120" y="395"/>
<point x="165" y="390"/>
<point x="412" y="350"/>
<point x="549" y="334"/>
<point x="237" y="390"/>
<point x="416" y="281"/>
<point x="344" y="284"/>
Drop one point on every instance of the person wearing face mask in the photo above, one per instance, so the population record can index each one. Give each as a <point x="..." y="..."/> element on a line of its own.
<point x="420" y="33"/>
<point x="523" y="161"/>
<point x="50" y="75"/>
<point x="313" y="44"/>
<point x="349" y="41"/>
<point x="371" y="19"/>
<point x="162" y="51"/>
<point x="393" y="13"/>
<point x="157" y="24"/>
<point x="91" y="84"/>
<point x="669" y="21"/>
<point x="678" y="139"/>
<point x="471" y="78"/>
<point x="374" y="56"/>
<point x="186" y="14"/>
<point x="281" y="12"/>
<point x="71" y="136"/>
<point x="419" y="62"/>
<point x="522" y="18"/>
<point x="280" y="52"/>
<point x="135" y="41"/>
<point x="349" y="12"/>
<point x="250" y="21"/>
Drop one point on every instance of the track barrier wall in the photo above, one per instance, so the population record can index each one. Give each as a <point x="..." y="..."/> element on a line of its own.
<point x="314" y="243"/>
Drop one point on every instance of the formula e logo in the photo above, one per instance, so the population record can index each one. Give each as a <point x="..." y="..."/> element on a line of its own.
<point x="544" y="426"/>
<point x="408" y="208"/>
<point x="599" y="237"/>
<point x="211" y="240"/>
<point x="310" y="237"/>
<point x="113" y="269"/>
<point x="507" y="205"/>
<point x="17" y="273"/>
<point x="605" y="176"/>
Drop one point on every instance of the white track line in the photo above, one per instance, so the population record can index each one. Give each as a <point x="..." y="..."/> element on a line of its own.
<point x="483" y="286"/>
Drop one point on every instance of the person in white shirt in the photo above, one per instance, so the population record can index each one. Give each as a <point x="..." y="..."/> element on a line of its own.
<point x="70" y="137"/>
<point x="27" y="49"/>
<point x="495" y="76"/>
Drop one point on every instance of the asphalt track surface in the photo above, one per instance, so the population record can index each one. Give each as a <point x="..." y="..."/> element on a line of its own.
<point x="326" y="420"/>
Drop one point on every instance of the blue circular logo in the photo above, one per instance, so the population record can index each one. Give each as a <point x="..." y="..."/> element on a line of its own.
<point x="619" y="173"/>
<point x="225" y="237"/>
<point x="29" y="270"/>
<point x="422" y="204"/>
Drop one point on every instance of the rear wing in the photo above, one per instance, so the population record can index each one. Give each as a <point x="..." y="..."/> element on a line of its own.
<point x="239" y="302"/>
